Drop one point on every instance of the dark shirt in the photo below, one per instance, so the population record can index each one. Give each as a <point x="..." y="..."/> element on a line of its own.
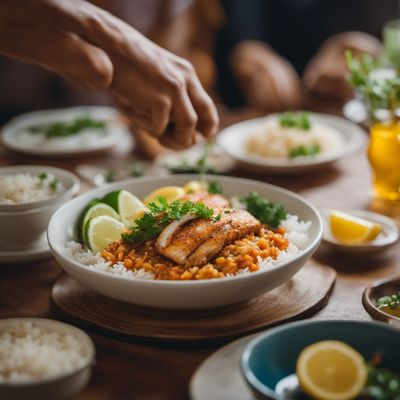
<point x="294" y="28"/>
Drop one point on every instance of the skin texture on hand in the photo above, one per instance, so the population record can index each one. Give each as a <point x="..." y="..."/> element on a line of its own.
<point x="325" y="74"/>
<point x="267" y="80"/>
<point x="157" y="90"/>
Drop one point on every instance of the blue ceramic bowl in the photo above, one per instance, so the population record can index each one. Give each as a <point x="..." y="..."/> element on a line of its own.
<point x="272" y="356"/>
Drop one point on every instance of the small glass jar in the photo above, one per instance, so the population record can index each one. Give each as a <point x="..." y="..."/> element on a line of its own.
<point x="384" y="158"/>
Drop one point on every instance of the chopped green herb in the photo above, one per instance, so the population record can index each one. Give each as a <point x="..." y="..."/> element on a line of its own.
<point x="68" y="128"/>
<point x="299" y="120"/>
<point x="304" y="150"/>
<point x="217" y="217"/>
<point x="214" y="187"/>
<point x="109" y="176"/>
<point x="42" y="176"/>
<point x="136" y="169"/>
<point x="160" y="214"/>
<point x="53" y="184"/>
<point x="264" y="210"/>
<point x="392" y="301"/>
<point x="382" y="384"/>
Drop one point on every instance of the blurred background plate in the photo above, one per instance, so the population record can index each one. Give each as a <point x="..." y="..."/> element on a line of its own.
<point x="233" y="141"/>
<point x="16" y="134"/>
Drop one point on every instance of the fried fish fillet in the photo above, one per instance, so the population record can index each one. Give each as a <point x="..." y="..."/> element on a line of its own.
<point x="194" y="242"/>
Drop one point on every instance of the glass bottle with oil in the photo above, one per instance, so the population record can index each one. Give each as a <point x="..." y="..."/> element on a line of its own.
<point x="384" y="158"/>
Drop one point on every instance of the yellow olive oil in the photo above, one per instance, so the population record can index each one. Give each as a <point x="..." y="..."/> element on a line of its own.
<point x="384" y="158"/>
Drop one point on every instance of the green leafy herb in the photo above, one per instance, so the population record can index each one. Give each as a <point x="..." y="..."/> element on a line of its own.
<point x="136" y="169"/>
<point x="53" y="184"/>
<point x="68" y="128"/>
<point x="42" y="176"/>
<point x="382" y="384"/>
<point x="304" y="150"/>
<point x="392" y="301"/>
<point x="299" y="120"/>
<point x="109" y="176"/>
<point x="264" y="210"/>
<point x="160" y="214"/>
<point x="214" y="187"/>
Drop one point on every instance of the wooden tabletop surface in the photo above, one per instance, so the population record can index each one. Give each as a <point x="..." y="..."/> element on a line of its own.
<point x="159" y="371"/>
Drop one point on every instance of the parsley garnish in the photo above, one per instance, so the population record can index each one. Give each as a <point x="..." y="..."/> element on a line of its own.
<point x="304" y="150"/>
<point x="214" y="187"/>
<point x="42" y="176"/>
<point x="160" y="214"/>
<point x="299" y="120"/>
<point x="264" y="210"/>
<point x="68" y="128"/>
<point x="53" y="184"/>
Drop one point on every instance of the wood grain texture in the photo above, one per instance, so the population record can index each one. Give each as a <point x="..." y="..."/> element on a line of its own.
<point x="303" y="295"/>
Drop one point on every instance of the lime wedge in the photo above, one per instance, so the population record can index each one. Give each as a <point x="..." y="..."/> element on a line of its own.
<point x="97" y="208"/>
<point x="129" y="207"/>
<point x="103" y="230"/>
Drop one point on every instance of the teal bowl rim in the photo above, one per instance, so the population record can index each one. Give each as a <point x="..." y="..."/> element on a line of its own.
<point x="248" y="374"/>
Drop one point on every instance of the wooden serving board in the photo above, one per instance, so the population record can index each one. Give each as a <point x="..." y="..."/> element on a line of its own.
<point x="307" y="292"/>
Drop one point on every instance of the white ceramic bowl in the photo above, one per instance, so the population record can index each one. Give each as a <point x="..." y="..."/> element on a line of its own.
<point x="233" y="141"/>
<point x="22" y="225"/>
<point x="62" y="387"/>
<point x="182" y="294"/>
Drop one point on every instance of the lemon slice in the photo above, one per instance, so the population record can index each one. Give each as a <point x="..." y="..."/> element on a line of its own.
<point x="331" y="370"/>
<point x="95" y="210"/>
<point x="171" y="193"/>
<point x="103" y="230"/>
<point x="129" y="207"/>
<point x="352" y="230"/>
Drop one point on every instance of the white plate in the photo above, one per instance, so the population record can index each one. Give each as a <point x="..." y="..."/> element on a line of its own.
<point x="183" y="294"/>
<point x="219" y="376"/>
<point x="386" y="239"/>
<point x="39" y="251"/>
<point x="16" y="137"/>
<point x="233" y="140"/>
<point x="219" y="162"/>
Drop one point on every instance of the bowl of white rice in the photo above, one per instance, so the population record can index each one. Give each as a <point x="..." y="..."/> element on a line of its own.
<point x="43" y="359"/>
<point x="29" y="195"/>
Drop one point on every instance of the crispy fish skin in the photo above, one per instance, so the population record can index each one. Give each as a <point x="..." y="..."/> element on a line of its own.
<point x="240" y="224"/>
<point x="199" y="240"/>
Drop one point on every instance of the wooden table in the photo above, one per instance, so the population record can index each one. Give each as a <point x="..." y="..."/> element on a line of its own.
<point x="157" y="372"/>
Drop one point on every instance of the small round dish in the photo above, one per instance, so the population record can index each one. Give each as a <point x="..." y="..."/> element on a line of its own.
<point x="187" y="161"/>
<point x="38" y="251"/>
<point x="22" y="225"/>
<point x="386" y="239"/>
<point x="64" y="386"/>
<point x="272" y="356"/>
<point x="16" y="135"/>
<point x="384" y="287"/>
<point x="233" y="141"/>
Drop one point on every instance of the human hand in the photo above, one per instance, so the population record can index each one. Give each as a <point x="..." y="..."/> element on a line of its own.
<point x="267" y="80"/>
<point x="325" y="74"/>
<point x="159" y="91"/>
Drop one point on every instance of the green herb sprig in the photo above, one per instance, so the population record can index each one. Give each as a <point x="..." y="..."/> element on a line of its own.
<point x="382" y="384"/>
<point x="68" y="128"/>
<point x="160" y="214"/>
<point x="264" y="210"/>
<point x="299" y="120"/>
<point x="304" y="150"/>
<point x="214" y="187"/>
<point x="392" y="301"/>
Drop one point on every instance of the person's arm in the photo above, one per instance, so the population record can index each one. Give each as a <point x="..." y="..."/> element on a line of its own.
<point x="159" y="91"/>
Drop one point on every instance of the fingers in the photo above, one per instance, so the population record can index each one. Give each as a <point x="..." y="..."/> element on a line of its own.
<point x="207" y="116"/>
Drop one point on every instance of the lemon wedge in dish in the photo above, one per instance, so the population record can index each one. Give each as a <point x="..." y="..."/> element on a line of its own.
<point x="349" y="229"/>
<point x="171" y="193"/>
<point x="331" y="370"/>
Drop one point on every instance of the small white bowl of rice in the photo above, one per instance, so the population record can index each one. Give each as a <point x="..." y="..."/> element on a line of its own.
<point x="43" y="359"/>
<point x="29" y="195"/>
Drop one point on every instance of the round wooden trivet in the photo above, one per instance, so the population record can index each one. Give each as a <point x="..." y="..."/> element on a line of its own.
<point x="303" y="295"/>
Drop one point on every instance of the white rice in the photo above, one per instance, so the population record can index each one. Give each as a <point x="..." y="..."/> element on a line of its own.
<point x="31" y="353"/>
<point x="296" y="233"/>
<point x="26" y="188"/>
<point x="274" y="140"/>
